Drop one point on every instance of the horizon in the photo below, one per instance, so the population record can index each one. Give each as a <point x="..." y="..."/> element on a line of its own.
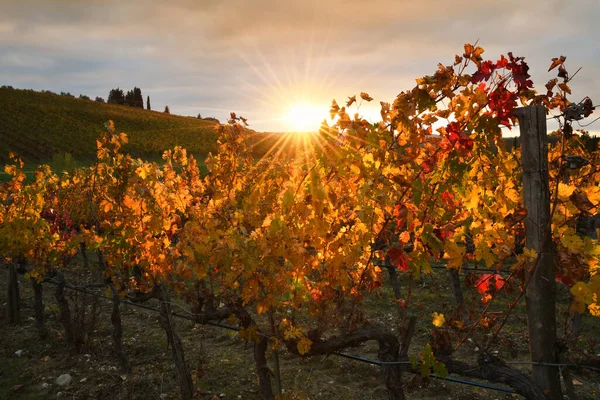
<point x="283" y="66"/>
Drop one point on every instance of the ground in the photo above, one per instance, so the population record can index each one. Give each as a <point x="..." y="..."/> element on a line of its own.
<point x="222" y="362"/>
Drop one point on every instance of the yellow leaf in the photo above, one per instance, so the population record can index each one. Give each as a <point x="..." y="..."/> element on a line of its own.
<point x="292" y="333"/>
<point x="512" y="195"/>
<point x="571" y="241"/>
<point x="368" y="158"/>
<point x="593" y="194"/>
<point x="564" y="191"/>
<point x="454" y="253"/>
<point x="354" y="169"/>
<point x="438" y="319"/>
<point x="304" y="345"/>
<point x="582" y="293"/>
<point x="483" y="252"/>
<point x="288" y="199"/>
<point x="472" y="199"/>
<point x="530" y="253"/>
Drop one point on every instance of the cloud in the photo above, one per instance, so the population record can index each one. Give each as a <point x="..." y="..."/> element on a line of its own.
<point x="258" y="54"/>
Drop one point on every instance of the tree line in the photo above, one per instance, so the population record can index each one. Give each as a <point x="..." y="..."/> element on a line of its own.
<point x="132" y="98"/>
<point x="117" y="96"/>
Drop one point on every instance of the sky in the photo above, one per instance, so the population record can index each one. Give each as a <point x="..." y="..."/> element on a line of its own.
<point x="273" y="61"/>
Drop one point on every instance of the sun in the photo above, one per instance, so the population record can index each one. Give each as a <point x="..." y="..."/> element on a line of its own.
<point x="304" y="117"/>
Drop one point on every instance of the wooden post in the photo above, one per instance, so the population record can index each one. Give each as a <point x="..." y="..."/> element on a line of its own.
<point x="38" y="306"/>
<point x="117" y="334"/>
<point x="13" y="305"/>
<point x="115" y="317"/>
<point x="541" y="291"/>
<point x="262" y="368"/>
<point x="456" y="289"/>
<point x="65" y="311"/>
<point x="166" y="322"/>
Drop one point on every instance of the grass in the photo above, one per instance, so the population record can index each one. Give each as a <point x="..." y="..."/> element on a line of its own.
<point x="41" y="126"/>
<point x="61" y="131"/>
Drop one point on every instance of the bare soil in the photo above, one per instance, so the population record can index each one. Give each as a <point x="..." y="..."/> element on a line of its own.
<point x="222" y="362"/>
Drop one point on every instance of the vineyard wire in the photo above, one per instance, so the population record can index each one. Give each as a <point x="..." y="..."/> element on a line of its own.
<point x="482" y="270"/>
<point x="339" y="354"/>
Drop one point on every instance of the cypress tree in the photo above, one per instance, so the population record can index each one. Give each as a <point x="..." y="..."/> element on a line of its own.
<point x="167" y="110"/>
<point x="148" y="103"/>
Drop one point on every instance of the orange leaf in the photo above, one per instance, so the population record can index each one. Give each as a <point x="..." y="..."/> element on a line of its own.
<point x="365" y="96"/>
<point x="565" y="87"/>
<point x="556" y="62"/>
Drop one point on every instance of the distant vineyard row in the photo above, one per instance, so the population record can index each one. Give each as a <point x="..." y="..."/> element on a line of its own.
<point x="39" y="126"/>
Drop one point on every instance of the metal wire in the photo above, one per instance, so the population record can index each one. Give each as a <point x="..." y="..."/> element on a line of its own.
<point x="461" y="381"/>
<point x="471" y="383"/>
<point x="370" y="360"/>
<point x="588" y="124"/>
<point x="440" y="266"/>
<point x="343" y="355"/>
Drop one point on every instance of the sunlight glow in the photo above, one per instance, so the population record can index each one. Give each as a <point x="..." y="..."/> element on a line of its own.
<point x="304" y="117"/>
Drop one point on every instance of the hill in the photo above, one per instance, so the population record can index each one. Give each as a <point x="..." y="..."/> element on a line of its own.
<point x="41" y="126"/>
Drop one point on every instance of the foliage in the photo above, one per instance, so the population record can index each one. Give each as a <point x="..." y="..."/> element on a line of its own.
<point x="116" y="96"/>
<point x="287" y="245"/>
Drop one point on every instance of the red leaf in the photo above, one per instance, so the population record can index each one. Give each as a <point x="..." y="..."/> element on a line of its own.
<point x="399" y="258"/>
<point x="400" y="212"/>
<point x="564" y="279"/>
<point x="445" y="231"/>
<point x="466" y="144"/>
<point x="428" y="165"/>
<point x="316" y="294"/>
<point x="502" y="62"/>
<point x="489" y="282"/>
<point x="503" y="103"/>
<point x="484" y="72"/>
<point x="401" y="303"/>
<point x="448" y="198"/>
